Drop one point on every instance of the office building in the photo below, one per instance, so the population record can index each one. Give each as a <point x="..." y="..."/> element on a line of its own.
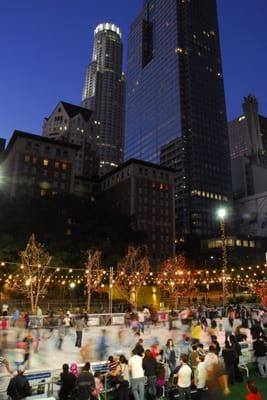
<point x="248" y="148"/>
<point x="73" y="124"/>
<point x="37" y="166"/>
<point x="145" y="192"/>
<point x="104" y="94"/>
<point x="175" y="91"/>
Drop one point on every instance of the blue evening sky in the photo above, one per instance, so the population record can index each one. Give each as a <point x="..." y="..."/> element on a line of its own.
<point x="46" y="45"/>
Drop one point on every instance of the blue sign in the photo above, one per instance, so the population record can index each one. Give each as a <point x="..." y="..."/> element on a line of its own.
<point x="38" y="375"/>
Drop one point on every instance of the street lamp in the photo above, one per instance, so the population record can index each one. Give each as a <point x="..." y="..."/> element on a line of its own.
<point x="221" y="213"/>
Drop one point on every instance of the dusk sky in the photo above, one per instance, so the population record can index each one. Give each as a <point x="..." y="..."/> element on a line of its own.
<point x="46" y="45"/>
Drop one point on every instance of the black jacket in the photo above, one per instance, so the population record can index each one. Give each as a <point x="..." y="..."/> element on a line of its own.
<point x="18" y="387"/>
<point x="67" y="380"/>
<point x="84" y="386"/>
<point x="259" y="348"/>
<point x="228" y="356"/>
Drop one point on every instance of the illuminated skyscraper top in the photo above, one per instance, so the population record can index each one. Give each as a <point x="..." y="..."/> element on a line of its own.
<point x="104" y="94"/>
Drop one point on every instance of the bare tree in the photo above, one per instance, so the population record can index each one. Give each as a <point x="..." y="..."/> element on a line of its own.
<point x="93" y="274"/>
<point x="35" y="273"/>
<point x="131" y="274"/>
<point x="176" y="278"/>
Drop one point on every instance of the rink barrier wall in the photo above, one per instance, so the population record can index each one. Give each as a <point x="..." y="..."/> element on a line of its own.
<point x="48" y="379"/>
<point x="93" y="319"/>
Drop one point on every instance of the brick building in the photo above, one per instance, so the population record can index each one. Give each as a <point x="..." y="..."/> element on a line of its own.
<point x="145" y="191"/>
<point x="37" y="165"/>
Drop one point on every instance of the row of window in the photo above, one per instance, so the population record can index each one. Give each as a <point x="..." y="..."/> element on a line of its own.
<point x="35" y="147"/>
<point x="147" y="172"/>
<point x="46" y="162"/>
<point x="212" y="244"/>
<point x="209" y="195"/>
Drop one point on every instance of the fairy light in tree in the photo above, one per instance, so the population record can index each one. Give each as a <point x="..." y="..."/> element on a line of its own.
<point x="132" y="271"/>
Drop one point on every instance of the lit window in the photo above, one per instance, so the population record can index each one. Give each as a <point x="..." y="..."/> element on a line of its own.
<point x="43" y="193"/>
<point x="245" y="243"/>
<point x="45" y="163"/>
<point x="238" y="243"/>
<point x="27" y="158"/>
<point x="252" y="243"/>
<point x="64" y="166"/>
<point x="57" y="164"/>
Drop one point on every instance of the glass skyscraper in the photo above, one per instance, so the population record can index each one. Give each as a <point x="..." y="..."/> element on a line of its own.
<point x="175" y="92"/>
<point x="104" y="93"/>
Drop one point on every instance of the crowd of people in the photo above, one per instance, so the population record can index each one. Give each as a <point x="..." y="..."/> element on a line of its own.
<point x="200" y="359"/>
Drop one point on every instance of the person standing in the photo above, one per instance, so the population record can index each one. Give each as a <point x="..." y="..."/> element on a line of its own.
<point x="15" y="317"/>
<point x="256" y="330"/>
<point x="39" y="314"/>
<point x="137" y="376"/>
<point x="229" y="360"/>
<point x="261" y="357"/>
<point x="149" y="365"/>
<point x="102" y="346"/>
<point x="79" y="325"/>
<point x="139" y="348"/>
<point x="67" y="324"/>
<point x="85" y="384"/>
<point x="141" y="318"/>
<point x="235" y="346"/>
<point x="170" y="355"/>
<point x="28" y="340"/>
<point x="26" y="320"/>
<point x="184" y="380"/>
<point x="18" y="387"/>
<point x="67" y="382"/>
<point x="200" y="377"/>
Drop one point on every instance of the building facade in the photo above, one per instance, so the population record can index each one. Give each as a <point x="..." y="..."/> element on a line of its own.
<point x="145" y="191"/>
<point x="73" y="124"/>
<point x="175" y="91"/>
<point x="2" y="145"/>
<point x="37" y="166"/>
<point x="248" y="148"/>
<point x="104" y="94"/>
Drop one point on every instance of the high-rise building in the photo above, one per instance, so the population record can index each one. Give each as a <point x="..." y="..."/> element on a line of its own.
<point x="175" y="90"/>
<point x="248" y="148"/>
<point x="73" y="124"/>
<point x="248" y="132"/>
<point x="104" y="94"/>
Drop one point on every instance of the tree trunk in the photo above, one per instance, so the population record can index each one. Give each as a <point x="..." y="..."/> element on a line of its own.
<point x="88" y="300"/>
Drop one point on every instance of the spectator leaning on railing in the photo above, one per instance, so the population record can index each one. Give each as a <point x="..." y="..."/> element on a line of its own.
<point x="18" y="387"/>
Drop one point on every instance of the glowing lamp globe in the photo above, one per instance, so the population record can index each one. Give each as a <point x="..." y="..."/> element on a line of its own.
<point x="221" y="213"/>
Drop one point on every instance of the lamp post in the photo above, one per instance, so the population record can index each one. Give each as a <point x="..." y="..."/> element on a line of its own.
<point x="221" y="213"/>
